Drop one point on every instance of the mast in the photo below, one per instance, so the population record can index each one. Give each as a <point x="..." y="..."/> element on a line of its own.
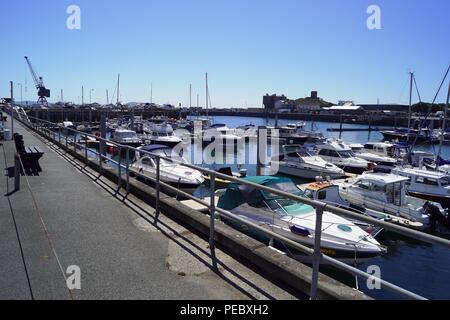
<point x="190" y="95"/>
<point x="82" y="95"/>
<point x="107" y="96"/>
<point x="207" y="115"/>
<point x="444" y="125"/>
<point x="411" y="74"/>
<point x="118" y="87"/>
<point x="151" y="93"/>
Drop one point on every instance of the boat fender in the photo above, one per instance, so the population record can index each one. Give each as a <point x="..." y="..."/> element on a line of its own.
<point x="300" y="231"/>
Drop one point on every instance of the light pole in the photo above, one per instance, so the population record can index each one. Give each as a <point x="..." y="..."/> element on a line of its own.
<point x="21" y="96"/>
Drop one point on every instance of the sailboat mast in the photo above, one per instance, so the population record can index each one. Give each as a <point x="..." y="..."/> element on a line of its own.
<point x="118" y="87"/>
<point x="207" y="93"/>
<point x="107" y="97"/>
<point x="411" y="74"/>
<point x="444" y="125"/>
<point x="190" y="95"/>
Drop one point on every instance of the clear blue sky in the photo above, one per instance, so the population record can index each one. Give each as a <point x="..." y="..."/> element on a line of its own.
<point x="248" y="47"/>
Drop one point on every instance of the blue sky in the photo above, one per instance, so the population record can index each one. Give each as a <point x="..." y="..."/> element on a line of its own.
<point x="248" y="48"/>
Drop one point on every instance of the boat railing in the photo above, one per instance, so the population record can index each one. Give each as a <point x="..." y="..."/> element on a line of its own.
<point x="45" y="128"/>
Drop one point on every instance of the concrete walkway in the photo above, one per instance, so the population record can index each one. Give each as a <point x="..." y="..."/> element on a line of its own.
<point x="63" y="217"/>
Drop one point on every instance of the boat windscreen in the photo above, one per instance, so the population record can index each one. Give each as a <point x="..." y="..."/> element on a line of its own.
<point x="287" y="186"/>
<point x="346" y="154"/>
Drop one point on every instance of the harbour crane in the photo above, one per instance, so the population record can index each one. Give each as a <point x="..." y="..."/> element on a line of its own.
<point x="43" y="92"/>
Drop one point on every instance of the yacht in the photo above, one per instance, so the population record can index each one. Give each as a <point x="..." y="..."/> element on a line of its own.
<point x="386" y="193"/>
<point x="427" y="184"/>
<point x="325" y="191"/>
<point x="171" y="171"/>
<point x="341" y="155"/>
<point x="298" y="162"/>
<point x="67" y="127"/>
<point x="162" y="134"/>
<point x="126" y="137"/>
<point x="341" y="239"/>
<point x="423" y="135"/>
<point x="220" y="133"/>
<point x="384" y="163"/>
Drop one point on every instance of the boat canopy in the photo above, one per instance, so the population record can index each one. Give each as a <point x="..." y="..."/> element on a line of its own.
<point x="238" y="194"/>
<point x="382" y="178"/>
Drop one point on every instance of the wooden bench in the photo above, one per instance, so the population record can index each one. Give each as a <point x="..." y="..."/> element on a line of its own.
<point x="29" y="156"/>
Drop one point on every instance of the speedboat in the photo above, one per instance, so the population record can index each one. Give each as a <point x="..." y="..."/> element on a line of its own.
<point x="340" y="154"/>
<point x="298" y="162"/>
<point x="341" y="239"/>
<point x="325" y="191"/>
<point x="126" y="137"/>
<point x="387" y="193"/>
<point x="384" y="164"/>
<point x="68" y="126"/>
<point x="221" y="134"/>
<point x="162" y="134"/>
<point x="427" y="184"/>
<point x="171" y="171"/>
<point x="423" y="135"/>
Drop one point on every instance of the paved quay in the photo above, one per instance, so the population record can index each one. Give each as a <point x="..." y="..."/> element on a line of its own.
<point x="68" y="216"/>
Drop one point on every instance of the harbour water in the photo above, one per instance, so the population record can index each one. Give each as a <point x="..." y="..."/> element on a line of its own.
<point x="411" y="264"/>
<point x="414" y="265"/>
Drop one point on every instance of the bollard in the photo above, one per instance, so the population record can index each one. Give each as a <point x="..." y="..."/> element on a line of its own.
<point x="212" y="210"/>
<point x="317" y="256"/>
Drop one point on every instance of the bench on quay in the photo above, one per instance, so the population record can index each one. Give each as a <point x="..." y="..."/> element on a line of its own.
<point x="29" y="156"/>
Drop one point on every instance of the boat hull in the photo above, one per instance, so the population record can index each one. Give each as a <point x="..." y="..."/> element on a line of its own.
<point x="444" y="201"/>
<point x="306" y="173"/>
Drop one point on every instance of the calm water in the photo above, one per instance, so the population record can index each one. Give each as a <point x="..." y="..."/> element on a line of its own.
<point x="413" y="265"/>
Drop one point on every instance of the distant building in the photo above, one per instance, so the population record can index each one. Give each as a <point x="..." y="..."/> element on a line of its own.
<point x="269" y="102"/>
<point x="282" y="104"/>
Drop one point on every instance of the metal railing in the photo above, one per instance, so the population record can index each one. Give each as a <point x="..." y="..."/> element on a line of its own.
<point x="43" y="127"/>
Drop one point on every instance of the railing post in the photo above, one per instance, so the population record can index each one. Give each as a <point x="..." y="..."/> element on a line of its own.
<point x="67" y="144"/>
<point x="157" y="209"/>
<point x="119" y="182"/>
<point x="59" y="134"/>
<point x="86" y="149"/>
<point x="128" y="169"/>
<point x="212" y="217"/>
<point x="317" y="256"/>
<point x="74" y="142"/>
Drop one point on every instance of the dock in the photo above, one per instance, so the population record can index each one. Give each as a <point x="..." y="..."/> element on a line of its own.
<point x="70" y="215"/>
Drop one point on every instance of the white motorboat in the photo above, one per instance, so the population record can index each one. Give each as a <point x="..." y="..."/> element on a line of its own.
<point x="341" y="155"/>
<point x="221" y="134"/>
<point x="427" y="184"/>
<point x="126" y="137"/>
<point x="298" y="162"/>
<point x="327" y="192"/>
<point x="171" y="172"/>
<point x="386" y="193"/>
<point x="162" y="134"/>
<point x="294" y="220"/>
<point x="67" y="127"/>
<point x="384" y="163"/>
